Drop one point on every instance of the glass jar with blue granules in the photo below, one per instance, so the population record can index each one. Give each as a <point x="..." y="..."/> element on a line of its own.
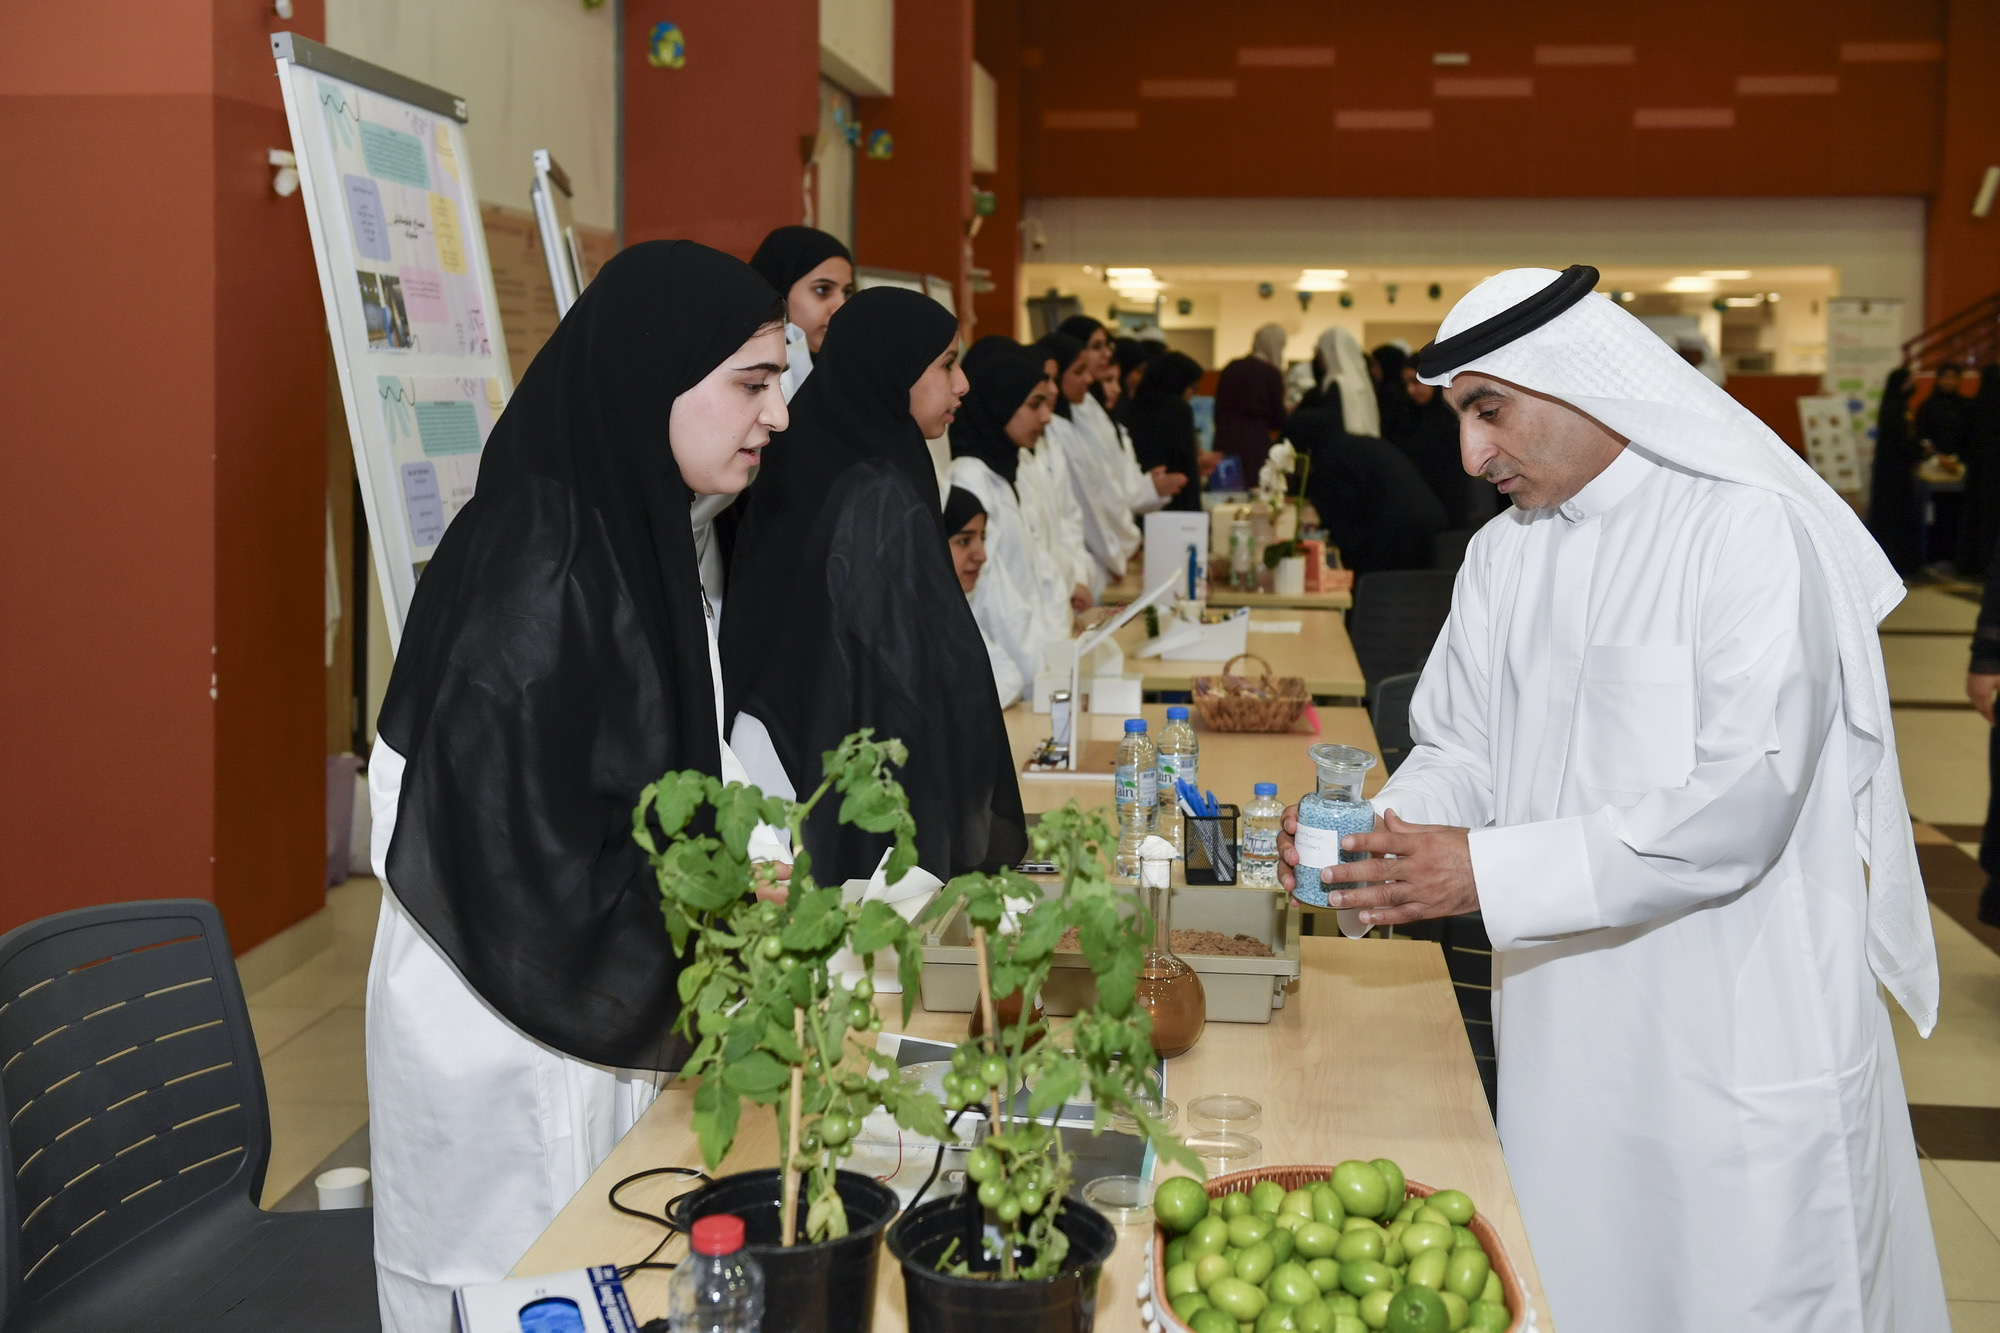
<point x="1329" y="814"/>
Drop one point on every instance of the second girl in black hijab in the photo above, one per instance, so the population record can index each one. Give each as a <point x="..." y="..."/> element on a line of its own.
<point x="846" y="612"/>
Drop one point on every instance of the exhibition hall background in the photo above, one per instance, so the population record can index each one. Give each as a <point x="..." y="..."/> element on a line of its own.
<point x="165" y="471"/>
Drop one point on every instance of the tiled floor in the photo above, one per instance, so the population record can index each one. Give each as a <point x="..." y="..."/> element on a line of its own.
<point x="309" y="1023"/>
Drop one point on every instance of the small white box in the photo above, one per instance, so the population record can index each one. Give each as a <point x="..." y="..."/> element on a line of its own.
<point x="1181" y="641"/>
<point x="587" y="1299"/>
<point x="1118" y="694"/>
<point x="1169" y="534"/>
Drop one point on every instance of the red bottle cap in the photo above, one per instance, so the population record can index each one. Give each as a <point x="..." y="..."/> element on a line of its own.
<point x="718" y="1233"/>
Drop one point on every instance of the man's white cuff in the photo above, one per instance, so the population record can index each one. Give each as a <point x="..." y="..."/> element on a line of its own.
<point x="1534" y="882"/>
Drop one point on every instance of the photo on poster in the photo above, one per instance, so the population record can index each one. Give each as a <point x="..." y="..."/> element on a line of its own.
<point x="382" y="307"/>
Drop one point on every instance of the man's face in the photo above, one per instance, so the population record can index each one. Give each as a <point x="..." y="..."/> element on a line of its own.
<point x="1539" y="451"/>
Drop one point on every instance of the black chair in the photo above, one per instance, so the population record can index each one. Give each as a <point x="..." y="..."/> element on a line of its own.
<point x="1396" y="618"/>
<point x="137" y="1138"/>
<point x="1389" y="711"/>
<point x="1448" y="548"/>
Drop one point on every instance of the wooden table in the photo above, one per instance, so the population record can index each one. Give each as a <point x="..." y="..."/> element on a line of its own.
<point x="1368" y="1059"/>
<point x="1320" y="653"/>
<point x="1127" y="588"/>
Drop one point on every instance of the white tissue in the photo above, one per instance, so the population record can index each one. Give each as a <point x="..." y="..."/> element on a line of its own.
<point x="1156" y="859"/>
<point x="908" y="895"/>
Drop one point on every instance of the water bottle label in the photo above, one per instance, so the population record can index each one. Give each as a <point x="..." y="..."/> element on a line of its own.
<point x="1262" y="843"/>
<point x="1126" y="783"/>
<point x="1177" y="766"/>
<point x="1319" y="846"/>
<point x="1148" y="782"/>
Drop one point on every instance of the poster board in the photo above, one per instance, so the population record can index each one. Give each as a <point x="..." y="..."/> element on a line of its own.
<point x="1864" y="342"/>
<point x="562" y="248"/>
<point x="408" y="292"/>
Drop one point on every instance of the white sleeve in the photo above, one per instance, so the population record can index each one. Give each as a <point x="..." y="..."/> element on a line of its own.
<point x="385" y="790"/>
<point x="1767" y="682"/>
<point x="1139" y="489"/>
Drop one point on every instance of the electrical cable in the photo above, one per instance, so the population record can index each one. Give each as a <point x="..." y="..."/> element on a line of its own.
<point x="938" y="1163"/>
<point x="661" y="1218"/>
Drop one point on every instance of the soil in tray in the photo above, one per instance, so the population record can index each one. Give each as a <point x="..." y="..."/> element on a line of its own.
<point x="1193" y="942"/>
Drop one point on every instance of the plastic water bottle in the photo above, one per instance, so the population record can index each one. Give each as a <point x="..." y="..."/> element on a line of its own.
<point x="1180" y="758"/>
<point x="717" y="1288"/>
<point x="1135" y="784"/>
<point x="1261" y="822"/>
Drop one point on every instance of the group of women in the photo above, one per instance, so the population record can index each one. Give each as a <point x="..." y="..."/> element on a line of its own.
<point x="563" y="650"/>
<point x="1959" y="529"/>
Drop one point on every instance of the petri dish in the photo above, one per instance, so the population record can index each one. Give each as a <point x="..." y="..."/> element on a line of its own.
<point x="1124" y="1200"/>
<point x="928" y="1075"/>
<point x="1226" y="1111"/>
<point x="1160" y="1108"/>
<point x="1223" y="1151"/>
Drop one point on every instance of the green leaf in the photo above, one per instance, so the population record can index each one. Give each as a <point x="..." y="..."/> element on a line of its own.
<point x="716" y="1110"/>
<point x="738" y="811"/>
<point x="910" y="973"/>
<point x="876" y="809"/>
<point x="780" y="1042"/>
<point x="1058" y="1084"/>
<point x="878" y="928"/>
<point x="757" y="1071"/>
<point x="902" y="858"/>
<point x="817" y="921"/>
<point x="675" y="797"/>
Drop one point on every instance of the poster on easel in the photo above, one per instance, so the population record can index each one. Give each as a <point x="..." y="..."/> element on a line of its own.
<point x="1864" y="342"/>
<point x="408" y="291"/>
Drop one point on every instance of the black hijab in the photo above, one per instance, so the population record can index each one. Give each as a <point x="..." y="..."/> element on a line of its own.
<point x="1372" y="501"/>
<point x="1002" y="374"/>
<point x="556" y="661"/>
<point x="1064" y="350"/>
<point x="789" y="253"/>
<point x="1082" y="328"/>
<point x="1895" y="515"/>
<point x="1162" y="424"/>
<point x="960" y="508"/>
<point x="845" y="611"/>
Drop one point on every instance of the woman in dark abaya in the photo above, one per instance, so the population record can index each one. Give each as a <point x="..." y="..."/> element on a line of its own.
<point x="848" y="613"/>
<point x="1894" y="517"/>
<point x="1162" y="424"/>
<point x="1429" y="439"/>
<point x="1250" y="400"/>
<point x="1373" y="504"/>
<point x="1981" y="453"/>
<point x="1393" y="394"/>
<point x="557" y="658"/>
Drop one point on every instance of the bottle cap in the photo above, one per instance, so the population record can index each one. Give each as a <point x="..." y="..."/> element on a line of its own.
<point x="1177" y="714"/>
<point x="1135" y="724"/>
<point x="1267" y="789"/>
<point x="718" y="1233"/>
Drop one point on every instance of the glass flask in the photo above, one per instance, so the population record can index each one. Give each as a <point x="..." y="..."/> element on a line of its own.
<point x="1330" y="813"/>
<point x="1169" y="989"/>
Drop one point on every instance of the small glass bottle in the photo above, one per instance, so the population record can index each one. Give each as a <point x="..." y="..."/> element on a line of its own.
<point x="1169" y="990"/>
<point x="1261" y="821"/>
<point x="1242" y="555"/>
<point x="1329" y="814"/>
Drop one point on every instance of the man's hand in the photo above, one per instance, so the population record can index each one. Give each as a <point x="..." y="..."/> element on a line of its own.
<point x="1980" y="688"/>
<point x="1430" y="874"/>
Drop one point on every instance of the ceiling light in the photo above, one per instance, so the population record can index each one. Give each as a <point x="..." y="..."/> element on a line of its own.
<point x="1321" y="280"/>
<point x="1742" y="302"/>
<point x="1451" y="58"/>
<point x="1690" y="284"/>
<point x="1726" y="274"/>
<point x="1771" y="297"/>
<point x="1142" y="273"/>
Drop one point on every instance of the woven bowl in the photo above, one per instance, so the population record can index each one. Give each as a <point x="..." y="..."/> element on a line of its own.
<point x="1297" y="1177"/>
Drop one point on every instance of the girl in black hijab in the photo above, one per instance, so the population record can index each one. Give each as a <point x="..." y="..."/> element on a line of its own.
<point x="846" y="612"/>
<point x="1372" y="502"/>
<point x="1162" y="423"/>
<point x="1894" y="517"/>
<point x="557" y="658"/>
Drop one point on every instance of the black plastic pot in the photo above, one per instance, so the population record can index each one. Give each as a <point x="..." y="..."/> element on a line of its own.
<point x="941" y="1303"/>
<point x="823" y="1288"/>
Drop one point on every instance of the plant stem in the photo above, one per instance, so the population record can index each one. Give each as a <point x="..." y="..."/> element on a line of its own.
<point x="789" y="1207"/>
<point x="993" y="1034"/>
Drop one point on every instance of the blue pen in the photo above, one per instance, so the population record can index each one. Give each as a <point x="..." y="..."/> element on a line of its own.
<point x="1213" y="809"/>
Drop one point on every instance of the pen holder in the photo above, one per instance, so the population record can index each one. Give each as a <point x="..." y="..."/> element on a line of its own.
<point x="1211" y="846"/>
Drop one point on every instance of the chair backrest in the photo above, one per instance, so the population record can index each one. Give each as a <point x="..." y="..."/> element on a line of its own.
<point x="1448" y="548"/>
<point x="1389" y="710"/>
<point x="129" y="1080"/>
<point x="1396" y="618"/>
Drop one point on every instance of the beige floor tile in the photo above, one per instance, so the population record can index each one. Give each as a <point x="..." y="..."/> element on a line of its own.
<point x="1929" y="609"/>
<point x="336" y="977"/>
<point x="1978" y="1183"/>
<point x="325" y="1063"/>
<point x="302" y="1134"/>
<point x="1967" y="1251"/>
<point x="276" y="1024"/>
<point x="1975" y="1316"/>
<point x="1959" y="1065"/>
<point x="1944" y="764"/>
<point x="353" y="906"/>
<point x="1925" y="669"/>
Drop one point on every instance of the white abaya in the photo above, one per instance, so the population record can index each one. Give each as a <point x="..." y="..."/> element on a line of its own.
<point x="478" y="1134"/>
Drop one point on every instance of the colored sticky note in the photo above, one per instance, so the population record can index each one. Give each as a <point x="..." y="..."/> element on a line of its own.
<point x="448" y="428"/>
<point x="447" y="155"/>
<point x="394" y="156"/>
<point x="364" y="211"/>
<point x="421" y="503"/>
<point x="444" y="226"/>
<point x="423" y="295"/>
<point x="494" y="402"/>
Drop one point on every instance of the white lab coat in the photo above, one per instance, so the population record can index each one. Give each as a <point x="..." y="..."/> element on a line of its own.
<point x="1055" y="512"/>
<point x="1637" y="705"/>
<point x="478" y="1133"/>
<point x="1020" y="601"/>
<point x="1110" y="485"/>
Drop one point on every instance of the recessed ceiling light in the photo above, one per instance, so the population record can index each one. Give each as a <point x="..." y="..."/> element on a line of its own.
<point x="1742" y="302"/>
<point x="1116" y="273"/>
<point x="1451" y="58"/>
<point x="1703" y="283"/>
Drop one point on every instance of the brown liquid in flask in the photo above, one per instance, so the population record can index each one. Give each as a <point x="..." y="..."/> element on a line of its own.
<point x="1007" y="1013"/>
<point x="1169" y="990"/>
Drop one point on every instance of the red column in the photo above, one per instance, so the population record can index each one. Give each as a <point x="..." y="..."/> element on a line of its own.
<point x="997" y="248"/>
<point x="910" y="211"/>
<point x="713" y="149"/>
<point x="1963" y="255"/>
<point x="162" y="524"/>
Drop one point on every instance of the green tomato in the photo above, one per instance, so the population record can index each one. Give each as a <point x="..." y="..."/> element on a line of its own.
<point x="1316" y="1240"/>
<point x="770" y="948"/>
<point x="1417" y="1310"/>
<point x="1427" y="1269"/>
<point x="1374" y="1308"/>
<point x="991" y="1192"/>
<point x="1392" y="1253"/>
<point x="786" y="962"/>
<point x="1349" y="1323"/>
<point x="1313" y="1317"/>
<point x="1180" y="1280"/>
<point x="1430" y="1214"/>
<point x="1421" y="1236"/>
<point x="1179" y="1203"/>
<point x="1392" y="1175"/>
<point x="1465" y="1273"/>
<point x="1277" y="1319"/>
<point x="1489" y="1317"/>
<point x="1212" y="1320"/>
<point x="1031" y="1198"/>
<point x="1326" y="1276"/>
<point x="1341" y="1302"/>
<point x="1177" y="1251"/>
<point x="1255" y="1262"/>
<point x="1290" y="1284"/>
<point x="1248" y="1230"/>
<point x="1494" y="1294"/>
<point x="1208" y="1236"/>
<point x="1362" y="1276"/>
<point x="1359" y="1224"/>
<point x="1008" y="1210"/>
<point x="1408" y="1211"/>
<point x="1327" y="1207"/>
<point x="1211" y="1268"/>
<point x="1360" y="1244"/>
<point x="1456" y="1205"/>
<point x="1456" y="1307"/>
<point x="834" y="1129"/>
<point x="1298" y="1201"/>
<point x="1361" y="1189"/>
<point x="864" y="989"/>
<point x="1185" y="1306"/>
<point x="845" y="1150"/>
<point x="1237" y="1299"/>
<point x="1282" y="1243"/>
<point x="1235" y="1204"/>
<point x="1265" y="1196"/>
<point x="1463" y="1239"/>
<point x="1290" y="1222"/>
<point x="993" y="1071"/>
<point x="982" y="1163"/>
<point x="965" y="1059"/>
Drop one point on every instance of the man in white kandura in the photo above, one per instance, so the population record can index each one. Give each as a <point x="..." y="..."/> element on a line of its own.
<point x="1653" y="748"/>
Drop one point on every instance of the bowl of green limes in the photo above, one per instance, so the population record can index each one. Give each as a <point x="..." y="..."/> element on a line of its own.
<point x="1352" y="1248"/>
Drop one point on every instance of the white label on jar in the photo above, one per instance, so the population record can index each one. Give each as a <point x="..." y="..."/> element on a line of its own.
<point x="1318" y="846"/>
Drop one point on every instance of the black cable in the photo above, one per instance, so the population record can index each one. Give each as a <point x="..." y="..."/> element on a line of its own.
<point x="937" y="1164"/>
<point x="673" y="1229"/>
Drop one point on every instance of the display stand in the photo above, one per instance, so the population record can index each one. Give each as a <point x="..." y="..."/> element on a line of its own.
<point x="408" y="290"/>
<point x="568" y="273"/>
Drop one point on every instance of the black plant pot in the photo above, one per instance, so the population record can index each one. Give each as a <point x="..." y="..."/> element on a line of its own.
<point x="823" y="1288"/>
<point x="941" y="1303"/>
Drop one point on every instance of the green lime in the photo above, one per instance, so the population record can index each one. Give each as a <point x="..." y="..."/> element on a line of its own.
<point x="1211" y="1320"/>
<point x="1179" y="1202"/>
<point x="1316" y="1240"/>
<point x="1291" y="1284"/>
<point x="1366" y="1243"/>
<point x="1361" y="1188"/>
<point x="1465" y="1273"/>
<point x="1362" y="1276"/>
<point x="1490" y="1317"/>
<point x="1417" y="1310"/>
<point x="1265" y="1196"/>
<point x="1393" y="1176"/>
<point x="1237" y="1299"/>
<point x="1454" y="1204"/>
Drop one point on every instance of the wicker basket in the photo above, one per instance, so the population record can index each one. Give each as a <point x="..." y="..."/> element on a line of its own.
<point x="1235" y="703"/>
<point x="1298" y="1177"/>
